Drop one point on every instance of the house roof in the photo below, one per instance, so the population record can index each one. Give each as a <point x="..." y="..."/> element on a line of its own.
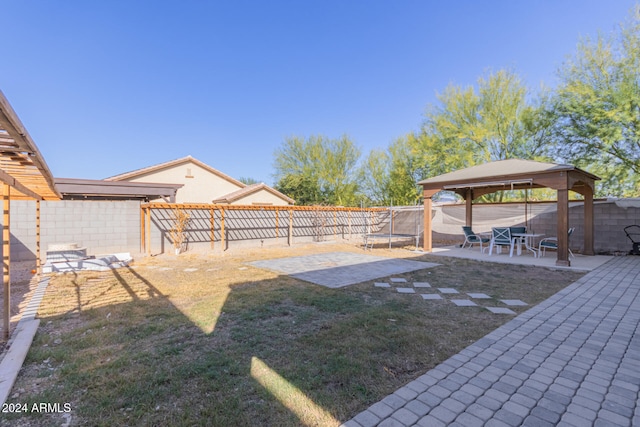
<point x="188" y="159"/>
<point x="501" y="171"/>
<point x="21" y="164"/>
<point x="251" y="189"/>
<point x="96" y="189"/>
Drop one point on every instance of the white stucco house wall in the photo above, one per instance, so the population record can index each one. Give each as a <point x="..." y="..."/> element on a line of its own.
<point x="202" y="183"/>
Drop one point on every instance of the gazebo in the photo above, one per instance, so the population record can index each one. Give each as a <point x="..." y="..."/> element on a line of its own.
<point x="517" y="174"/>
<point x="24" y="175"/>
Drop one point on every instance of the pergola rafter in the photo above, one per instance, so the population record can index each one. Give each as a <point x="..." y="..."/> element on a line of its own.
<point x="24" y="176"/>
<point x="516" y="174"/>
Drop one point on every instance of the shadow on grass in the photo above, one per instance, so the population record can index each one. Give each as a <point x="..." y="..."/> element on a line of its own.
<point x="161" y="349"/>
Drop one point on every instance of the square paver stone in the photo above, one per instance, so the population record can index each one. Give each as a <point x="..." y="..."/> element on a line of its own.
<point x="398" y="280"/>
<point x="464" y="302"/>
<point x="406" y="290"/>
<point x="448" y="291"/>
<point x="479" y="296"/>
<point x="513" y="302"/>
<point x="338" y="269"/>
<point x="430" y="296"/>
<point x="500" y="310"/>
<point x="421" y="285"/>
<point x="382" y="285"/>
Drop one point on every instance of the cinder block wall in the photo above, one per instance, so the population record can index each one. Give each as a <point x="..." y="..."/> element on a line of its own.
<point x="102" y="227"/>
<point x="114" y="226"/>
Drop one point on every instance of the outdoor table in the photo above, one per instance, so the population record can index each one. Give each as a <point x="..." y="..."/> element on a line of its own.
<point x="528" y="242"/>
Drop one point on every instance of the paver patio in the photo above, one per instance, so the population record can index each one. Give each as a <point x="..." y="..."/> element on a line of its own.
<point x="338" y="269"/>
<point x="572" y="360"/>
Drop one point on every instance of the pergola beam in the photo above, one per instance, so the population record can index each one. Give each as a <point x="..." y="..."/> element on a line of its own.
<point x="9" y="180"/>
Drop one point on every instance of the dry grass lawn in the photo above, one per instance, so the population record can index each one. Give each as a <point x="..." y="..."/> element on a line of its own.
<point x="232" y="345"/>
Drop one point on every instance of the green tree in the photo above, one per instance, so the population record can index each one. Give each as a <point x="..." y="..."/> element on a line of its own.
<point x="374" y="178"/>
<point x="323" y="167"/>
<point x="248" y="180"/>
<point x="404" y="174"/>
<point x="470" y="126"/>
<point x="597" y="108"/>
<point x="391" y="177"/>
<point x="303" y="189"/>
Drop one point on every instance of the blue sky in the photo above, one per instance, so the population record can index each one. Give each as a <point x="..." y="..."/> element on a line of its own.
<point x="112" y="86"/>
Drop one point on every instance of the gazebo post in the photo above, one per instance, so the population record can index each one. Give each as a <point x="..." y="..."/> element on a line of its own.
<point x="563" y="228"/>
<point x="468" y="197"/>
<point x="426" y="241"/>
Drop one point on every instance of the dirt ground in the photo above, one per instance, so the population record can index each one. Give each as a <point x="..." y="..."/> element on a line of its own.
<point x="21" y="293"/>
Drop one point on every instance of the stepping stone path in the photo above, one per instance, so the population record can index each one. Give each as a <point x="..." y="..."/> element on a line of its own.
<point x="479" y="296"/>
<point x="500" y="310"/>
<point x="513" y="302"/>
<point x="450" y="291"/>
<point x="464" y="303"/>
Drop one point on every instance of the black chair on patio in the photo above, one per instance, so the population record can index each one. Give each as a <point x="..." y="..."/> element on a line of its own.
<point x="470" y="237"/>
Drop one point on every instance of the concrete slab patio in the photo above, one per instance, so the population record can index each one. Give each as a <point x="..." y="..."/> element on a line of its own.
<point x="572" y="360"/>
<point x="338" y="269"/>
<point x="578" y="263"/>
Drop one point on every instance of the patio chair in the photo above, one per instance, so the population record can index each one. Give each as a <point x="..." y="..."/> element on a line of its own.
<point x="470" y="237"/>
<point x="552" y="243"/>
<point x="501" y="236"/>
<point x="519" y="240"/>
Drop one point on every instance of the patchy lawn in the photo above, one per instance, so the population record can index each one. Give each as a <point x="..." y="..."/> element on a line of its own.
<point x="232" y="345"/>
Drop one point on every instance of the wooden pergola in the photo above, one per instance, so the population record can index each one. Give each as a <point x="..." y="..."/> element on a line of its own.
<point x="24" y="175"/>
<point x="516" y="174"/>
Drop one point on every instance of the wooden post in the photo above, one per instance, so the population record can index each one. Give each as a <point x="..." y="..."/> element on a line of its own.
<point x="468" y="197"/>
<point x="212" y="212"/>
<point x="143" y="227"/>
<point x="426" y="243"/>
<point x="222" y="237"/>
<point x="277" y="235"/>
<point x="38" y="250"/>
<point x="148" y="233"/>
<point x="563" y="228"/>
<point x="290" y="227"/>
<point x="6" y="260"/>
<point x="392" y="225"/>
